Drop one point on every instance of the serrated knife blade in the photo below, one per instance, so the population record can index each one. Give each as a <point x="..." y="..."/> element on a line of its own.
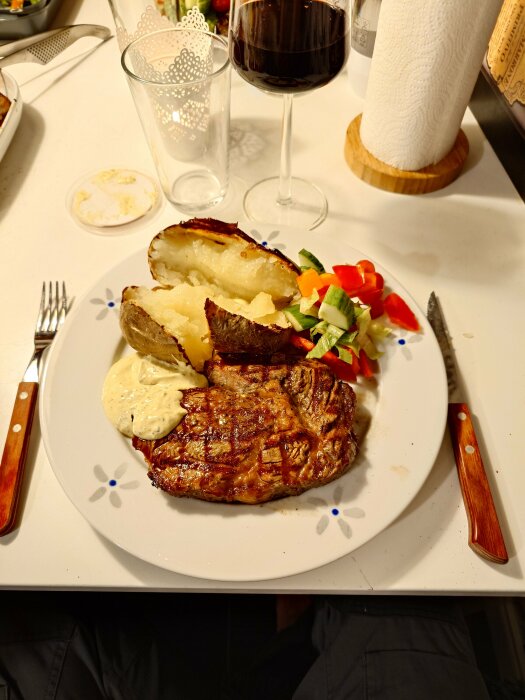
<point x="485" y="536"/>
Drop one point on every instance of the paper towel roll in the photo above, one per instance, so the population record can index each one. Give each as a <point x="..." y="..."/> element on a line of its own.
<point x="427" y="57"/>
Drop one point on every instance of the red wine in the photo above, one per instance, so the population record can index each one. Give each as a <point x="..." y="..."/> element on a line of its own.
<point x="288" y="45"/>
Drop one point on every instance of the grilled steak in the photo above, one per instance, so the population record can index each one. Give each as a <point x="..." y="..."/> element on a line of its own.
<point x="258" y="432"/>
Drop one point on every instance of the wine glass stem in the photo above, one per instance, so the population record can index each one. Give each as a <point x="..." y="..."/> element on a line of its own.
<point x="284" y="196"/>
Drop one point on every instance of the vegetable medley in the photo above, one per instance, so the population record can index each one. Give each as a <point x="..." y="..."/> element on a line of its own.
<point x="340" y="317"/>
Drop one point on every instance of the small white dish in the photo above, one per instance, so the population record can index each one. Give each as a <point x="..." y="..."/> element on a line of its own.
<point x="113" y="200"/>
<point x="10" y="123"/>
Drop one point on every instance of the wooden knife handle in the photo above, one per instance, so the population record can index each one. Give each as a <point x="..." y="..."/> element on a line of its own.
<point x="485" y="536"/>
<point x="14" y="455"/>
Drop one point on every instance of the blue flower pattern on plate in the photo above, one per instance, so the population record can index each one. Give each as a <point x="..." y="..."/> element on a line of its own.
<point x="334" y="512"/>
<point x="406" y="340"/>
<point x="111" y="484"/>
<point x="268" y="242"/>
<point x="110" y="303"/>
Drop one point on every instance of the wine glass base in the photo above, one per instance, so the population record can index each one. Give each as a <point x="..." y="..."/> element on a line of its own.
<point x="307" y="209"/>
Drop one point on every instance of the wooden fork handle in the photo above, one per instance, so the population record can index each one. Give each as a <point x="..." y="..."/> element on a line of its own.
<point x="15" y="452"/>
<point x="485" y="536"/>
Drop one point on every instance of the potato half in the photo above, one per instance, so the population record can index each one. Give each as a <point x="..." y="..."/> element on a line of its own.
<point x="211" y="252"/>
<point x="168" y="324"/>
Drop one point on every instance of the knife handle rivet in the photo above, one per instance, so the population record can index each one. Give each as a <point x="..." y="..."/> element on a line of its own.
<point x="23" y="395"/>
<point x="462" y="416"/>
<point x="17" y="428"/>
<point x="469" y="450"/>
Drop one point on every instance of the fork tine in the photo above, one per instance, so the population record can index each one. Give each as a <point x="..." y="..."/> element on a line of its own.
<point x="40" y="319"/>
<point x="63" y="306"/>
<point x="47" y="309"/>
<point x="53" y="319"/>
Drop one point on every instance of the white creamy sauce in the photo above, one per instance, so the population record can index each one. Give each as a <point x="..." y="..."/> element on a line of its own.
<point x="141" y="396"/>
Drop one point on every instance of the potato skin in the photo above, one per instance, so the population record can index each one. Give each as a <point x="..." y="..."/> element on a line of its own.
<point x="233" y="334"/>
<point x="144" y="334"/>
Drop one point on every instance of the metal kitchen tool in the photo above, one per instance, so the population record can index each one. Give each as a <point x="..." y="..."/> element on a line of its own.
<point x="485" y="536"/>
<point x="42" y="48"/>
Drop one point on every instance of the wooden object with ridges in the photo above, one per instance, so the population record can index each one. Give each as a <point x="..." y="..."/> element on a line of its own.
<point x="429" y="179"/>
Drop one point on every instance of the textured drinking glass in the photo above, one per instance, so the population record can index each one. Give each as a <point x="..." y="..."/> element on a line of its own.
<point x="180" y="81"/>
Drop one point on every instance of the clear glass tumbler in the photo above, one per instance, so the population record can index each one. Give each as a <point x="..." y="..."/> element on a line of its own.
<point x="180" y="81"/>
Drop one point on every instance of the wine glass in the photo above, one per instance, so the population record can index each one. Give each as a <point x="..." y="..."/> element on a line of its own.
<point x="288" y="47"/>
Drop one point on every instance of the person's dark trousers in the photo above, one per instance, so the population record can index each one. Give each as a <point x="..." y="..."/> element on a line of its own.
<point x="391" y="648"/>
<point x="180" y="647"/>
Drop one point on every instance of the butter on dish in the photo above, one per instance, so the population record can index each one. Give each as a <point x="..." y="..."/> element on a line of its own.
<point x="113" y="197"/>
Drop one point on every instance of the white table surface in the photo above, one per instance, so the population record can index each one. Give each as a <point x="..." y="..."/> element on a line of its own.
<point x="467" y="242"/>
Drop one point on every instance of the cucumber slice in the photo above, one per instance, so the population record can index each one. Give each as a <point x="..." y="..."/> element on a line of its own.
<point x="299" y="321"/>
<point x="337" y="308"/>
<point x="308" y="260"/>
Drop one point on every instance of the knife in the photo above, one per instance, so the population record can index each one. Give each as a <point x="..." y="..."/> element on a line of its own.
<point x="42" y="48"/>
<point x="485" y="536"/>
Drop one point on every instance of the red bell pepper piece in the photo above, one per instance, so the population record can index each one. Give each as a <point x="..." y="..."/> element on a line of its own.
<point x="369" y="296"/>
<point x="377" y="308"/>
<point x="349" y="276"/>
<point x="339" y="367"/>
<point x="365" y="266"/>
<point x="374" y="280"/>
<point x="400" y="313"/>
<point x="366" y="365"/>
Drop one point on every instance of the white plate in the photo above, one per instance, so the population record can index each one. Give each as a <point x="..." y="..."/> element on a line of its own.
<point x="106" y="478"/>
<point x="10" y="123"/>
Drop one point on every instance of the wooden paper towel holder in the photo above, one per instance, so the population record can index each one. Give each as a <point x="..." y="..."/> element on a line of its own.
<point x="429" y="179"/>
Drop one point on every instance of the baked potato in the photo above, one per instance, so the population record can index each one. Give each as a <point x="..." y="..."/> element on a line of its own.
<point x="220" y="290"/>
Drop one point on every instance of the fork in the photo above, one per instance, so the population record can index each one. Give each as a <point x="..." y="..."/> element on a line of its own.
<point x="51" y="315"/>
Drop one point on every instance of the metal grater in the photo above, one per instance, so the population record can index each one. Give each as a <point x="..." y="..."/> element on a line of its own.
<point x="47" y="49"/>
<point x="42" y="48"/>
